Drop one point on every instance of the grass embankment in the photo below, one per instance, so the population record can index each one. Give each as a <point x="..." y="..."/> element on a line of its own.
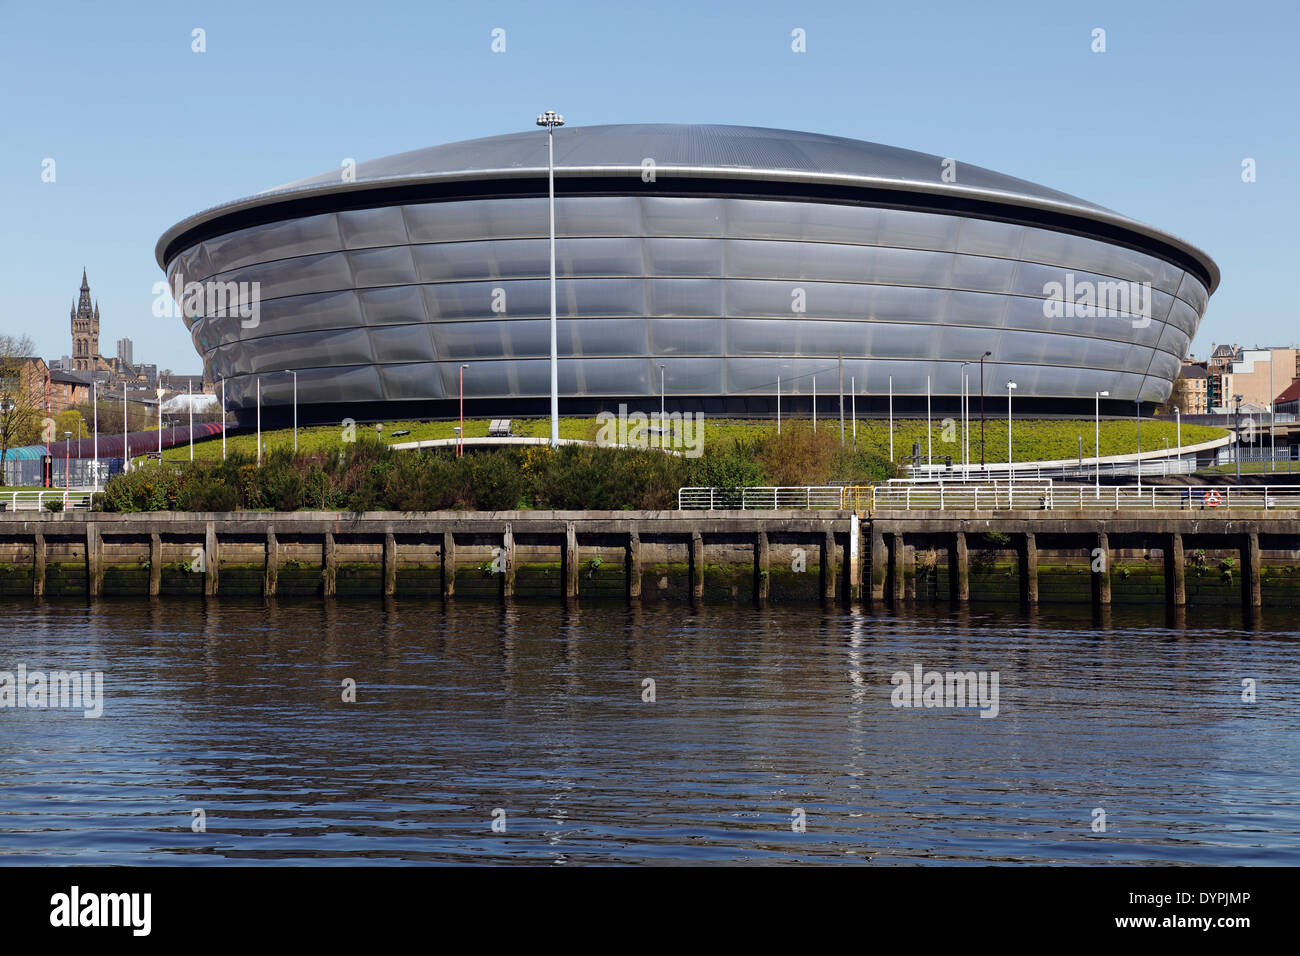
<point x="1032" y="439"/>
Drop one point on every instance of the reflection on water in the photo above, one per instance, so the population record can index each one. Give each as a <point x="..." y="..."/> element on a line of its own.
<point x="236" y="708"/>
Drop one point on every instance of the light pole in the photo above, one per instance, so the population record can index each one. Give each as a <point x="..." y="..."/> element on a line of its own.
<point x="891" y="418"/>
<point x="160" y="425"/>
<point x="929" y="449"/>
<point x="853" y="405"/>
<point x="982" y="358"/>
<point x="662" y="416"/>
<point x="965" y="422"/>
<point x="1096" y="439"/>
<point x="1236" y="434"/>
<point x="1010" y="386"/>
<point x="223" y="419"/>
<point x="259" y="421"/>
<point x="814" y="403"/>
<point x="1179" y="419"/>
<point x="1137" y="405"/>
<point x="189" y="400"/>
<point x="460" y="436"/>
<point x="94" y="413"/>
<point x="295" y="409"/>
<point x="67" y="464"/>
<point x="551" y="119"/>
<point x="778" y="404"/>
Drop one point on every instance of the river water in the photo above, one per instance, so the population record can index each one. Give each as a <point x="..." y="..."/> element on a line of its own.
<point x="655" y="735"/>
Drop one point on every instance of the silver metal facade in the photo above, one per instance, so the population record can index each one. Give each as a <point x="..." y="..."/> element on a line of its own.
<point x="383" y="304"/>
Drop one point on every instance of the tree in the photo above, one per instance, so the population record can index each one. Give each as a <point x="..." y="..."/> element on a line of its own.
<point x="20" y="396"/>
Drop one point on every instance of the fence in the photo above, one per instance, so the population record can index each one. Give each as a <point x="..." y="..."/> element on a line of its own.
<point x="997" y="496"/>
<point x="35" y="500"/>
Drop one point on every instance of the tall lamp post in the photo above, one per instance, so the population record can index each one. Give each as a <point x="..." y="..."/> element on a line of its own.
<point x="1096" y="440"/>
<point x="1236" y="434"/>
<point x="295" y="409"/>
<point x="982" y="358"/>
<point x="67" y="465"/>
<point x="662" y="416"/>
<point x="1137" y="405"/>
<point x="460" y="435"/>
<point x="551" y="119"/>
<point x="965" y="421"/>
<point x="1010" y="386"/>
<point x="1178" y="417"/>
<point x="160" y="425"/>
<point x="94" y="413"/>
<point x="223" y="419"/>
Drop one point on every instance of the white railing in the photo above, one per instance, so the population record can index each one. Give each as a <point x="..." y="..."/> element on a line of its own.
<point x="995" y="496"/>
<point x="35" y="500"/>
<point x="769" y="498"/>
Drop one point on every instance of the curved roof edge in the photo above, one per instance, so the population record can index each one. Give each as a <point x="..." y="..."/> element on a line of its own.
<point x="1074" y="210"/>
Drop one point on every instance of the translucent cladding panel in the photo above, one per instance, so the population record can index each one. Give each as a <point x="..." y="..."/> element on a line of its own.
<point x="682" y="216"/>
<point x="613" y="337"/>
<point x="1164" y="365"/>
<point x="598" y="257"/>
<point x="501" y="258"/>
<point x="275" y="240"/>
<point x="1182" y="317"/>
<point x="982" y="273"/>
<point x="1174" y="341"/>
<point x="477" y="219"/>
<point x="1193" y="293"/>
<point x="769" y="259"/>
<point x="596" y="216"/>
<point x="401" y="343"/>
<point x="795" y="337"/>
<point x="1029" y="314"/>
<point x="821" y="222"/>
<point x="407" y="382"/>
<point x="397" y="305"/>
<point x="1155" y="389"/>
<point x="1087" y="290"/>
<point x="1093" y="255"/>
<point x="389" y="266"/>
<point x="326" y="385"/>
<point x="754" y="297"/>
<point x="195" y="266"/>
<point x="685" y="336"/>
<point x="304" y="350"/>
<point x="687" y="297"/>
<point x="683" y="257"/>
<point x="885" y="340"/>
<point x="520" y="298"/>
<point x="985" y="237"/>
<point x="682" y="376"/>
<point x="632" y="377"/>
<point x="910" y="267"/>
<point x="918" y="230"/>
<point x="323" y="273"/>
<point x="976" y="308"/>
<point x="532" y="338"/>
<point x="372" y="227"/>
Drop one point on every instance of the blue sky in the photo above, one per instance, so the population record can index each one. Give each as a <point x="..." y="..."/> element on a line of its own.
<point x="145" y="132"/>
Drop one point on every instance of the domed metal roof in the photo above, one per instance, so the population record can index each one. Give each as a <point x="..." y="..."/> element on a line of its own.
<point x="696" y="152"/>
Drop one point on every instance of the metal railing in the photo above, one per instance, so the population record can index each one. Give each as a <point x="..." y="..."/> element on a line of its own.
<point x="35" y="500"/>
<point x="1040" y="495"/>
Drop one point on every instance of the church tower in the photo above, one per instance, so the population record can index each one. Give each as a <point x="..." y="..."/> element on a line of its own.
<point x="85" y="330"/>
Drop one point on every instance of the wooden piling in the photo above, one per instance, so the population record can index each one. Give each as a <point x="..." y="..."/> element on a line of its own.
<point x="38" y="565"/>
<point x="697" y="567"/>
<point x="271" y="577"/>
<point x="210" y="558"/>
<point x="633" y="566"/>
<point x="448" y="565"/>
<point x="1175" y="571"/>
<point x="155" y="564"/>
<point x="390" y="564"/>
<point x="329" y="566"/>
<point x="959" y="569"/>
<point x="1101" y="578"/>
<point x="762" y="569"/>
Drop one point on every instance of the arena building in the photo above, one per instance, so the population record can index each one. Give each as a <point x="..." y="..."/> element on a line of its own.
<point x="715" y="260"/>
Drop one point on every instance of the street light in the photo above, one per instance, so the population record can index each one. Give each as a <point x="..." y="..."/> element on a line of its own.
<point x="67" y="465"/>
<point x="1236" y="434"/>
<point x="295" y="409"/>
<point x="460" y="435"/>
<point x="965" y="422"/>
<point x="160" y="424"/>
<point x="1137" y="405"/>
<point x="223" y="419"/>
<point x="1179" y="419"/>
<point x="189" y="400"/>
<point x="661" y="404"/>
<point x="94" y="413"/>
<point x="982" y="358"/>
<point x="259" y="421"/>
<point x="1010" y="386"/>
<point x="1096" y="440"/>
<point x="551" y="119"/>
